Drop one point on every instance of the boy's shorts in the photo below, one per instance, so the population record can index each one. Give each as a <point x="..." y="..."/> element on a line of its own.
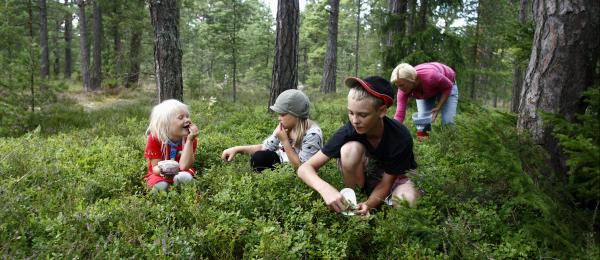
<point x="373" y="175"/>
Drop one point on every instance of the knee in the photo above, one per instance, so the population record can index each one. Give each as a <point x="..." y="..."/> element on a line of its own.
<point x="408" y="194"/>
<point x="352" y="151"/>
<point x="182" y="178"/>
<point x="160" y="187"/>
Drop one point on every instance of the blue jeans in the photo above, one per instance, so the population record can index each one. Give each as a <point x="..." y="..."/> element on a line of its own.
<point x="448" y="110"/>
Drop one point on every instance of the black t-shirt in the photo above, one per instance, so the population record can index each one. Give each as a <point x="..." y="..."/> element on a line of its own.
<point x="394" y="152"/>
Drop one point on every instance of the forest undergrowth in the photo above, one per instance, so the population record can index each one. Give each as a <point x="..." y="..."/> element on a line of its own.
<point x="74" y="188"/>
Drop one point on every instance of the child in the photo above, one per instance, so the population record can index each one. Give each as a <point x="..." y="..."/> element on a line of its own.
<point x="295" y="139"/>
<point x="171" y="136"/>
<point x="374" y="152"/>
<point x="433" y="85"/>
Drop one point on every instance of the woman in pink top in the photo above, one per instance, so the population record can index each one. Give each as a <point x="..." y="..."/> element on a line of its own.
<point x="432" y="84"/>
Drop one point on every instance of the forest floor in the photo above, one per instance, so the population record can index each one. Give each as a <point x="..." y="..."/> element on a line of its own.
<point x="106" y="99"/>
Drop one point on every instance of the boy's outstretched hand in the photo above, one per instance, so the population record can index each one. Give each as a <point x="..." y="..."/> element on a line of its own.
<point x="335" y="201"/>
<point x="362" y="209"/>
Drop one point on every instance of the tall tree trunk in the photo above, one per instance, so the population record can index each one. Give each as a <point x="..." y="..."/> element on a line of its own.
<point x="476" y="64"/>
<point x="31" y="55"/>
<point x="517" y="82"/>
<point x="285" y="65"/>
<point x="423" y="11"/>
<point x="135" y="45"/>
<point x="55" y="51"/>
<point x="117" y="45"/>
<point x="97" y="51"/>
<point x="330" y="64"/>
<point x="357" y="40"/>
<point x="396" y="30"/>
<point x="562" y="65"/>
<point x="68" y="38"/>
<point x="167" y="49"/>
<point x="84" y="51"/>
<point x="45" y="58"/>
<point x="411" y="9"/>
<point x="234" y="50"/>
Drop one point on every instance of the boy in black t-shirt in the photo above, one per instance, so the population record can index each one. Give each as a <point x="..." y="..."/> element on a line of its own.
<point x="373" y="151"/>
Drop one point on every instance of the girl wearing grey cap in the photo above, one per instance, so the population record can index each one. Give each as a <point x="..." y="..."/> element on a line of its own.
<point x="295" y="139"/>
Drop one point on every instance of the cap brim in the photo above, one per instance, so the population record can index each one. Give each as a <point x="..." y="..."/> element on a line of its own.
<point x="351" y="81"/>
<point x="276" y="109"/>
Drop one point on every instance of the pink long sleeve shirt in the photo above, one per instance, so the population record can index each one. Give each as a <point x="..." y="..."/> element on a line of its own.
<point x="435" y="78"/>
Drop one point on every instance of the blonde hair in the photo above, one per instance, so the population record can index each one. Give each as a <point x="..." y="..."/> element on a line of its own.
<point x="161" y="116"/>
<point x="359" y="93"/>
<point x="403" y="71"/>
<point x="301" y="127"/>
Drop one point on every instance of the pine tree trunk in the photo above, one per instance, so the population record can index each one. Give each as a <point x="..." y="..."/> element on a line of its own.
<point x="117" y="45"/>
<point x="167" y="49"/>
<point x="396" y="30"/>
<point x="45" y="57"/>
<point x="31" y="55"/>
<point x="84" y="51"/>
<point x="330" y="65"/>
<point x="234" y="50"/>
<point x="411" y="10"/>
<point x="357" y="41"/>
<point x="517" y="82"/>
<point x="135" y="46"/>
<point x="476" y="64"/>
<point x="68" y="38"/>
<point x="55" y="51"/>
<point x="285" y="65"/>
<point x="423" y="11"/>
<point x="562" y="65"/>
<point x="97" y="51"/>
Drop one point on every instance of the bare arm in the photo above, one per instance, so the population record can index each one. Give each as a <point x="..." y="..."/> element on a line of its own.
<point x="308" y="173"/>
<point x="229" y="154"/>
<point x="436" y="109"/>
<point x="381" y="191"/>
<point x="186" y="160"/>
<point x="284" y="140"/>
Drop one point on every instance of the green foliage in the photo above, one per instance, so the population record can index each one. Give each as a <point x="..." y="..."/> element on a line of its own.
<point x="580" y="142"/>
<point x="78" y="192"/>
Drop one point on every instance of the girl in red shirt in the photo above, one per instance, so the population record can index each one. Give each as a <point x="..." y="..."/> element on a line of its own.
<point x="171" y="136"/>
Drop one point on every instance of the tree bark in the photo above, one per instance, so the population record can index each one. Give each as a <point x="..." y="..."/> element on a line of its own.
<point x="476" y="53"/>
<point x="357" y="40"/>
<point x="285" y="65"/>
<point x="31" y="55"/>
<point x="68" y="37"/>
<point x="423" y="11"/>
<point x="167" y="49"/>
<point x="45" y="57"/>
<point x="135" y="45"/>
<point x="97" y="51"/>
<point x="55" y="51"/>
<point x="84" y="51"/>
<point x="117" y="45"/>
<point x="562" y="65"/>
<point x="330" y="64"/>
<point x="517" y="82"/>
<point x="234" y="50"/>
<point x="395" y="33"/>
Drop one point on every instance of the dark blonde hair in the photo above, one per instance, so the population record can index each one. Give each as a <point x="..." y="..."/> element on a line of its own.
<point x="358" y="93"/>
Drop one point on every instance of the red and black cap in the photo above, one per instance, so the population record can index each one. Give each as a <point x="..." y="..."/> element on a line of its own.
<point x="376" y="86"/>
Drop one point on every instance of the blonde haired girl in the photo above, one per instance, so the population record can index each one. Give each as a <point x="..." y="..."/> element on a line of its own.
<point x="171" y="136"/>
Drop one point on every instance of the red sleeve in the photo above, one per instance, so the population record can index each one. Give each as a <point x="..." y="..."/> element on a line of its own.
<point x="153" y="148"/>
